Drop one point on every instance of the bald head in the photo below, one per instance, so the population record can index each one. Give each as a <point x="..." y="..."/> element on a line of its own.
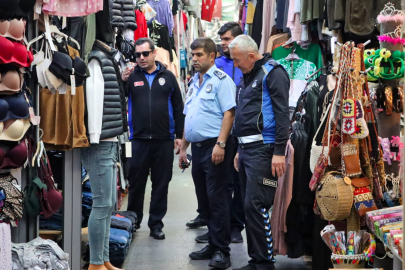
<point x="245" y="53"/>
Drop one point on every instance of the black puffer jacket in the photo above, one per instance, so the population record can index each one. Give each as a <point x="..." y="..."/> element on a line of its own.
<point x="123" y="14"/>
<point x="128" y="14"/>
<point x="116" y="19"/>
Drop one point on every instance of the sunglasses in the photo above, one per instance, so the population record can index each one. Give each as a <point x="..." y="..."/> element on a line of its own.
<point x="145" y="54"/>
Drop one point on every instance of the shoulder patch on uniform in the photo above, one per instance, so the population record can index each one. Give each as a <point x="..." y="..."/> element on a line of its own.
<point x="220" y="74"/>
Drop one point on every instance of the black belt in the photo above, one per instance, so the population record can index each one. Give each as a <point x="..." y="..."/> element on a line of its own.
<point x="206" y="142"/>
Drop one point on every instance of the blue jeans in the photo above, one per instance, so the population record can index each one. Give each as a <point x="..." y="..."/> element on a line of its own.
<point x="100" y="162"/>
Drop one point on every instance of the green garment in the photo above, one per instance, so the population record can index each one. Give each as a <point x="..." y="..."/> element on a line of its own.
<point x="90" y="35"/>
<point x="312" y="54"/>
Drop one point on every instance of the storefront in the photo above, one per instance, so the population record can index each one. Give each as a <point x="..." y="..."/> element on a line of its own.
<point x="345" y="60"/>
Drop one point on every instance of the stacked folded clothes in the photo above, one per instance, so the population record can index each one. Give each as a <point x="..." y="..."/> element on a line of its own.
<point x="122" y="228"/>
<point x="39" y="254"/>
<point x="55" y="222"/>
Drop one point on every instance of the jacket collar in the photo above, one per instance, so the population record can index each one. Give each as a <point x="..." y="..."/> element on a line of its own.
<point x="160" y="68"/>
<point x="105" y="48"/>
<point x="258" y="66"/>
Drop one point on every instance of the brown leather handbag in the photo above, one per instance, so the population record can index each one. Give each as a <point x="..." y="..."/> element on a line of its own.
<point x="351" y="160"/>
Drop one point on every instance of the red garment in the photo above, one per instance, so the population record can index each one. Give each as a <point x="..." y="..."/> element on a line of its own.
<point x="142" y="30"/>
<point x="207" y="10"/>
<point x="185" y="20"/>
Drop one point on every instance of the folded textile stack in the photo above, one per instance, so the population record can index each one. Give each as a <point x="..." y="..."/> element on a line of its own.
<point x="39" y="254"/>
<point x="128" y="214"/>
<point x="55" y="222"/>
<point x="122" y="228"/>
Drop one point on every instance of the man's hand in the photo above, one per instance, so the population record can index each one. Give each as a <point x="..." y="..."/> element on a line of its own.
<point x="218" y="155"/>
<point x="278" y="165"/>
<point x="126" y="73"/>
<point x="177" y="144"/>
<point x="236" y="162"/>
<point x="182" y="158"/>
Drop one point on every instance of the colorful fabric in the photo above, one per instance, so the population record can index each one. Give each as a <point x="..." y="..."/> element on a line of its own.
<point x="72" y="8"/>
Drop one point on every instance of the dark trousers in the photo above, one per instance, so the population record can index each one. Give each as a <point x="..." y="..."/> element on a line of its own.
<point x="156" y="155"/>
<point x="254" y="166"/>
<point x="237" y="213"/>
<point x="211" y="185"/>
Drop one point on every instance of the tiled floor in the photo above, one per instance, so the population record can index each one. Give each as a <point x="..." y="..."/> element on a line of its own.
<point x="172" y="253"/>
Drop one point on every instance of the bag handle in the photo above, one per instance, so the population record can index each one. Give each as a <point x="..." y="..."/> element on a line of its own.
<point x="322" y="121"/>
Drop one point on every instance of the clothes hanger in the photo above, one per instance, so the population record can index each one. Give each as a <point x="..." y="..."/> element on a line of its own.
<point x="39" y="145"/>
<point x="55" y="30"/>
<point x="293" y="56"/>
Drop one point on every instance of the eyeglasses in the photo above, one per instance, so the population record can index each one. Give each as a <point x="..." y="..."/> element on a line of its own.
<point x="145" y="54"/>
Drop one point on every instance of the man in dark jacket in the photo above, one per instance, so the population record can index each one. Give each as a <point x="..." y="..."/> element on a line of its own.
<point x="155" y="118"/>
<point x="262" y="127"/>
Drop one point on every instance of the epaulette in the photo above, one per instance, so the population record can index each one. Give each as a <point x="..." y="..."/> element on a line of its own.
<point x="220" y="74"/>
<point x="189" y="83"/>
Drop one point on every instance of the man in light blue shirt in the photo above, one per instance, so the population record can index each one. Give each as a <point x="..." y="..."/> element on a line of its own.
<point x="210" y="111"/>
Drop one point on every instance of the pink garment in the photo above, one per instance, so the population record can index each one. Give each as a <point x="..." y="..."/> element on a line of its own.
<point x="72" y="8"/>
<point x="5" y="246"/>
<point x="269" y="10"/>
<point x="294" y="22"/>
<point x="282" y="202"/>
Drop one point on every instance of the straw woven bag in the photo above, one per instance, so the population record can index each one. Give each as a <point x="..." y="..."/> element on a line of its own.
<point x="334" y="196"/>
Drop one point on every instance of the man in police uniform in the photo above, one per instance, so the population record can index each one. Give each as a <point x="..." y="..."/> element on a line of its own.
<point x="210" y="111"/>
<point x="227" y="33"/>
<point x="262" y="127"/>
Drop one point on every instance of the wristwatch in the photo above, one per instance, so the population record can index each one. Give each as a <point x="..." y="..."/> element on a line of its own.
<point x="221" y="144"/>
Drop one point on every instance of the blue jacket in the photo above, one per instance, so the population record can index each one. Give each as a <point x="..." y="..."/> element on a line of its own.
<point x="262" y="104"/>
<point x="225" y="64"/>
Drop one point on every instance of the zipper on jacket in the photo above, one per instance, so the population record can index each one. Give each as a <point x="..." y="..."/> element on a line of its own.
<point x="150" y="110"/>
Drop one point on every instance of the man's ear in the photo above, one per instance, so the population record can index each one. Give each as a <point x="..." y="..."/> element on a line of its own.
<point x="251" y="57"/>
<point x="213" y="56"/>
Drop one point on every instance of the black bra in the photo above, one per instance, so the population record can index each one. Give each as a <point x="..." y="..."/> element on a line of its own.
<point x="62" y="67"/>
<point x="13" y="107"/>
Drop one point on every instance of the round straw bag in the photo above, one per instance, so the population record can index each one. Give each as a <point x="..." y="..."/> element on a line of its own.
<point x="348" y="261"/>
<point x="334" y="196"/>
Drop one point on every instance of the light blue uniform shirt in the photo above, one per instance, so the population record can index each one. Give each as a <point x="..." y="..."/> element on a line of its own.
<point x="206" y="104"/>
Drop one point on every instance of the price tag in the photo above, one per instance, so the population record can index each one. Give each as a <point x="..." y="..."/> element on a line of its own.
<point x="73" y="84"/>
<point x="128" y="149"/>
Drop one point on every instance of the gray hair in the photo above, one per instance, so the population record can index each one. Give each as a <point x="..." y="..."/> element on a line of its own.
<point x="244" y="43"/>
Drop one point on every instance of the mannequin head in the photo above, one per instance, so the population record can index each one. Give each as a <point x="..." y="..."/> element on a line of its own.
<point x="228" y="33"/>
<point x="204" y="52"/>
<point x="145" y="53"/>
<point x="244" y="53"/>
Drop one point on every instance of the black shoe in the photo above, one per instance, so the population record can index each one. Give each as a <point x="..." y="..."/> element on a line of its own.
<point x="196" y="223"/>
<point x="204" y="254"/>
<point x="203" y="238"/>
<point x="157" y="234"/>
<point x="247" y="267"/>
<point x="220" y="260"/>
<point x="236" y="236"/>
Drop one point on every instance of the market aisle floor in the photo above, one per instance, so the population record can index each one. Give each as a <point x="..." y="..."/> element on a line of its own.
<point x="172" y="253"/>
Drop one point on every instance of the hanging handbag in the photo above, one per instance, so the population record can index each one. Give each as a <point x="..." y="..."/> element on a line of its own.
<point x="51" y="199"/>
<point x="363" y="198"/>
<point x="334" y="196"/>
<point x="335" y="155"/>
<point x="12" y="208"/>
<point x="317" y="150"/>
<point x="351" y="160"/>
